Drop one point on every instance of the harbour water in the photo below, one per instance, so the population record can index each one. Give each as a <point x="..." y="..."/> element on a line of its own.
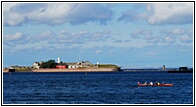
<point x="96" y="88"/>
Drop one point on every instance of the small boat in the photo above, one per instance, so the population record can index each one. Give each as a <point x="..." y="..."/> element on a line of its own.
<point x="167" y="85"/>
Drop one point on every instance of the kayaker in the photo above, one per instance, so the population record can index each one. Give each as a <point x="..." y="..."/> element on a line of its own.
<point x="158" y="83"/>
<point x="151" y="83"/>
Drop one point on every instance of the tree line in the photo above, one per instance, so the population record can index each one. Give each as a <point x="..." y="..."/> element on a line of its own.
<point x="48" y="64"/>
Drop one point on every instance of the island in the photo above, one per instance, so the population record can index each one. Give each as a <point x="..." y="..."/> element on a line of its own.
<point x="60" y="66"/>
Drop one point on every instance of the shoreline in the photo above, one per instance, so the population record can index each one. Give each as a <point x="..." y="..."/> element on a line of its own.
<point x="68" y="70"/>
<point x="77" y="70"/>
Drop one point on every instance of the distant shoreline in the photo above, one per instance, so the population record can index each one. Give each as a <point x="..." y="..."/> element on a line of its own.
<point x="67" y="70"/>
<point x="85" y="70"/>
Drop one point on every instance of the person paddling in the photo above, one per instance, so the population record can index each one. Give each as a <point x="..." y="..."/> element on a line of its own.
<point x="151" y="83"/>
<point x="157" y="83"/>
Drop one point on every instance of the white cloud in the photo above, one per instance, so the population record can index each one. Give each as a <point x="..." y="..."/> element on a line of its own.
<point x="186" y="39"/>
<point x="170" y="13"/>
<point x="175" y="36"/>
<point x="8" y="6"/>
<point x="13" y="19"/>
<point x="82" y="37"/>
<point x="46" y="35"/>
<point x="99" y="51"/>
<point x="177" y="31"/>
<point x="10" y="16"/>
<point x="52" y="13"/>
<point x="13" y="37"/>
<point x="43" y="36"/>
<point x="140" y="33"/>
<point x="161" y="13"/>
<point x="55" y="13"/>
<point x="169" y="39"/>
<point x="129" y="15"/>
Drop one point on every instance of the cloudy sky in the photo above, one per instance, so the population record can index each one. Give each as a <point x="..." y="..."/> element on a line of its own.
<point x="128" y="34"/>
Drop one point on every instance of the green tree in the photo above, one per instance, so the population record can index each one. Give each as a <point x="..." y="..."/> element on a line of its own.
<point x="48" y="64"/>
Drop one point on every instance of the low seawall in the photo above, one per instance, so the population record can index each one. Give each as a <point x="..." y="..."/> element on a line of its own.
<point x="77" y="70"/>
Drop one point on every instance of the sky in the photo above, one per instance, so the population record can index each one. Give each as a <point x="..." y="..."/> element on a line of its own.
<point x="128" y="34"/>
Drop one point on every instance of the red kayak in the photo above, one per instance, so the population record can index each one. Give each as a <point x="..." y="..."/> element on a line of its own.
<point x="167" y="85"/>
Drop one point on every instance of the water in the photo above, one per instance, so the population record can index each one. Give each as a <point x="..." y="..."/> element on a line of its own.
<point x="96" y="88"/>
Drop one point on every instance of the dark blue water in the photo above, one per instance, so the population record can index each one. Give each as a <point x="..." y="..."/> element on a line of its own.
<point x="96" y="88"/>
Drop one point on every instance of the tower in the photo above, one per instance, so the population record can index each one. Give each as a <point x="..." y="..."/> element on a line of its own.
<point x="59" y="60"/>
<point x="163" y="68"/>
<point x="97" y="64"/>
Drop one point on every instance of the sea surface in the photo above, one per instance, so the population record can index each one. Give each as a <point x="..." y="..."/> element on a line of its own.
<point x="96" y="88"/>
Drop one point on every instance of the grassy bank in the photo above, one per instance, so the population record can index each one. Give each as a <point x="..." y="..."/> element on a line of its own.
<point x="23" y="70"/>
<point x="108" y="66"/>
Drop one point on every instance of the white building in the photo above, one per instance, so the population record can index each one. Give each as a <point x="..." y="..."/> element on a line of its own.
<point x="79" y="64"/>
<point x="37" y="64"/>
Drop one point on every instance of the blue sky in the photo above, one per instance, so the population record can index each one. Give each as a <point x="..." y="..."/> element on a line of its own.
<point x="149" y="34"/>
